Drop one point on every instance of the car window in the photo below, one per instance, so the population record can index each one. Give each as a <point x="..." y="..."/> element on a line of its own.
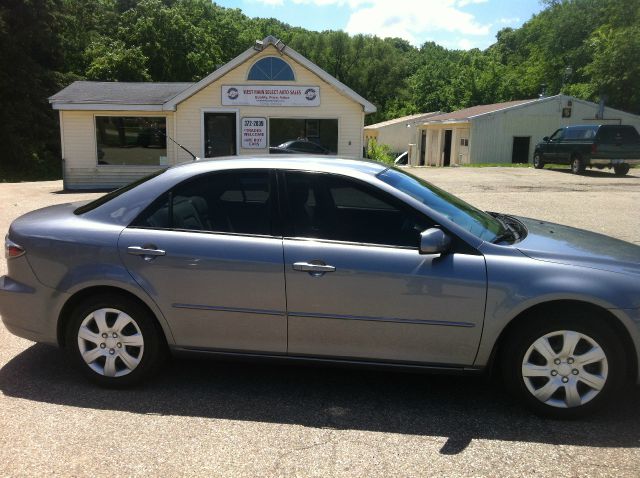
<point x="326" y="206"/>
<point x="574" y="133"/>
<point x="558" y="135"/>
<point x="477" y="222"/>
<point x="618" y="134"/>
<point x="114" y="194"/>
<point x="233" y="202"/>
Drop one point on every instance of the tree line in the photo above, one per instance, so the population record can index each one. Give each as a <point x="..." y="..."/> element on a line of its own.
<point x="585" y="48"/>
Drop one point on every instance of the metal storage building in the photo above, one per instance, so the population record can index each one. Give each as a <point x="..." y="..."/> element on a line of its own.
<point x="504" y="132"/>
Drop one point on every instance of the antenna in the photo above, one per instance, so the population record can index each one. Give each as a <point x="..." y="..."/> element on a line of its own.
<point x="195" y="158"/>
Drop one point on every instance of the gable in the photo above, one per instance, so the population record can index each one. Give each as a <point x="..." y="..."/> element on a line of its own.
<point x="238" y="68"/>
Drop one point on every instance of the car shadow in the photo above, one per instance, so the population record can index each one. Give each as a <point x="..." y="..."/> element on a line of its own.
<point x="459" y="408"/>
<point x="596" y="173"/>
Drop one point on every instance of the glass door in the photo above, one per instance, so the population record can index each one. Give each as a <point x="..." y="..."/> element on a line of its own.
<point x="220" y="134"/>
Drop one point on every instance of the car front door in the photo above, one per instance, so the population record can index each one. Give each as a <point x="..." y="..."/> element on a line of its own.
<point x="357" y="287"/>
<point x="208" y="254"/>
<point x="552" y="150"/>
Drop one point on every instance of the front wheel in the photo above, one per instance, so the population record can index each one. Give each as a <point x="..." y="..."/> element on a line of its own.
<point x="565" y="368"/>
<point x="538" y="163"/>
<point x="114" y="340"/>
<point x="620" y="169"/>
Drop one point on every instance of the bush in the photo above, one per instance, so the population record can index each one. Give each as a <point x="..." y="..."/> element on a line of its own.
<point x="379" y="152"/>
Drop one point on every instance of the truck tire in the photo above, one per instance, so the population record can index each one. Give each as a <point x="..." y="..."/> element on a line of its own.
<point x="620" y="169"/>
<point x="538" y="163"/>
<point x="577" y="165"/>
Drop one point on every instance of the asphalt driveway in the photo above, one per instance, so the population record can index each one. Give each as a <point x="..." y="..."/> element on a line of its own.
<point x="204" y="418"/>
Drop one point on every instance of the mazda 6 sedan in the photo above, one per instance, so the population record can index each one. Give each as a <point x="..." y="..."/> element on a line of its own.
<point x="328" y="260"/>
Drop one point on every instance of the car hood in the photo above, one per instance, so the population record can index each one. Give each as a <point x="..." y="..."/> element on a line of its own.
<point x="567" y="245"/>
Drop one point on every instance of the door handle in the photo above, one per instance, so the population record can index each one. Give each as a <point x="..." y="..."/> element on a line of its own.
<point x="311" y="267"/>
<point x="148" y="252"/>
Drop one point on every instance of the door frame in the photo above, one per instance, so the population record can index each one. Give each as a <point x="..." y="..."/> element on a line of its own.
<point x="203" y="111"/>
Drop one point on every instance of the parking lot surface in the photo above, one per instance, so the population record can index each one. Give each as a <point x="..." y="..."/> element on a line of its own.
<point x="205" y="418"/>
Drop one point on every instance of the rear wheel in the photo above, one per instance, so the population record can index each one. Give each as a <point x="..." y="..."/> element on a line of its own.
<point x="577" y="165"/>
<point x="538" y="163"/>
<point x="565" y="367"/>
<point x="114" y="340"/>
<point x="620" y="169"/>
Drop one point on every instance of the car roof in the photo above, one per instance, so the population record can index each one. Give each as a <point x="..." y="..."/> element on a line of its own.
<point x="302" y="162"/>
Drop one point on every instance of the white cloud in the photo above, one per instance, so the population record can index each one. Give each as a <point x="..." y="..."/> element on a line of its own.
<point x="412" y="20"/>
<point x="507" y="20"/>
<point x="271" y="3"/>
<point x="465" y="44"/>
<point x="464" y="3"/>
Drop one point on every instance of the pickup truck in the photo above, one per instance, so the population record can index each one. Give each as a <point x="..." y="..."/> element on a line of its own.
<point x="600" y="146"/>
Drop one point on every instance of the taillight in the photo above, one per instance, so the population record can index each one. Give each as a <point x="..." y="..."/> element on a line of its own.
<point x="594" y="148"/>
<point x="11" y="249"/>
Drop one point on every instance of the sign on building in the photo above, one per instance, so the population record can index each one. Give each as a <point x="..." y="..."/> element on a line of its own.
<point x="265" y="95"/>
<point x="254" y="133"/>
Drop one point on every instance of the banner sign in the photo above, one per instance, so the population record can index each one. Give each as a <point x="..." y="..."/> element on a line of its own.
<point x="254" y="133"/>
<point x="265" y="95"/>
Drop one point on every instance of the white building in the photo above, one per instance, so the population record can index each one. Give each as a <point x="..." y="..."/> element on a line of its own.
<point x="504" y="132"/>
<point x="114" y="132"/>
<point x="396" y="133"/>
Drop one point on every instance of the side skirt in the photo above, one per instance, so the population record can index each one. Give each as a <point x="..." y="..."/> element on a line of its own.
<point x="322" y="361"/>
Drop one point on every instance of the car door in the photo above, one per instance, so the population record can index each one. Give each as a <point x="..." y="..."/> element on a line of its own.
<point x="208" y="253"/>
<point x="553" y="149"/>
<point x="357" y="286"/>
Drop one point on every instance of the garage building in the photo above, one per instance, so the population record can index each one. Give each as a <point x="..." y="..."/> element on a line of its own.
<point x="114" y="132"/>
<point x="504" y="132"/>
<point x="396" y="133"/>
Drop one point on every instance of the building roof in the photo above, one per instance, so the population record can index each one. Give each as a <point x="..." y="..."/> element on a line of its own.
<point x="284" y="50"/>
<point x="90" y="93"/>
<point x="408" y="119"/>
<point x="106" y="95"/>
<point x="468" y="113"/>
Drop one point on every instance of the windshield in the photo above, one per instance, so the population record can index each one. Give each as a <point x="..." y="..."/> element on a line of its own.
<point x="477" y="222"/>
<point x="114" y="194"/>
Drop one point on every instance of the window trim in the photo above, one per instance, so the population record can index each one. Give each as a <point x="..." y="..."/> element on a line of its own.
<point x="286" y="214"/>
<point x="276" y="220"/>
<point x="150" y="167"/>
<point x="293" y="72"/>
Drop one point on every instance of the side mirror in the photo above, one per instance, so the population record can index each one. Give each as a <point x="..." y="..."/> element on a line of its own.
<point x="434" y="241"/>
<point x="545" y="139"/>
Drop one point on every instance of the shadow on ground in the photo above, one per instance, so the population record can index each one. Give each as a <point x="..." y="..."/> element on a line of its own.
<point x="458" y="408"/>
<point x="597" y="173"/>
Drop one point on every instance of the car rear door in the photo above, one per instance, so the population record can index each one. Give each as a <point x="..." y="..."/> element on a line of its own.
<point x="357" y="287"/>
<point x="209" y="254"/>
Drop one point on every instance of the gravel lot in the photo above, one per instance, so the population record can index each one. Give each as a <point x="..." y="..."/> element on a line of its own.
<point x="230" y="419"/>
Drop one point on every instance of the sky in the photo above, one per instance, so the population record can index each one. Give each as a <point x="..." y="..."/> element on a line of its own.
<point x="454" y="24"/>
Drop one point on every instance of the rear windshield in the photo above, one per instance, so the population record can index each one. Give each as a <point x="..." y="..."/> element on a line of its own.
<point x="114" y="194"/>
<point x="618" y="134"/>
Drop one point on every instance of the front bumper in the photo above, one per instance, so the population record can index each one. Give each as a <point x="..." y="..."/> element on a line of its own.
<point x="30" y="312"/>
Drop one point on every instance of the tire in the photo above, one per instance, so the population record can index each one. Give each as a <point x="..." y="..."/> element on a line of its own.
<point x="114" y="341"/>
<point x="620" y="169"/>
<point x="585" y="379"/>
<point x="577" y="165"/>
<point x="538" y="163"/>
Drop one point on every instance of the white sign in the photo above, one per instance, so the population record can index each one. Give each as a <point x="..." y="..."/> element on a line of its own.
<point x="254" y="133"/>
<point x="265" y="95"/>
